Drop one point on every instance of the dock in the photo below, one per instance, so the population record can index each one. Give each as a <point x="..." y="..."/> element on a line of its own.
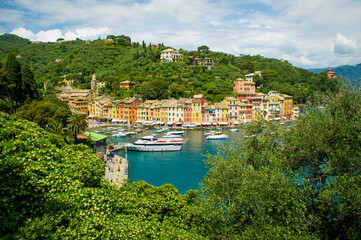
<point x="116" y="170"/>
<point x="116" y="148"/>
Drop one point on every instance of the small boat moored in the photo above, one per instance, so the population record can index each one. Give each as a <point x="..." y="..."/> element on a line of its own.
<point x="217" y="136"/>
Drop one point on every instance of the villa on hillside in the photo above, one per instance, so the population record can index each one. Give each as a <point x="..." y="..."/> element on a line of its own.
<point x="126" y="84"/>
<point x="331" y="74"/>
<point x="249" y="77"/>
<point x="170" y="55"/>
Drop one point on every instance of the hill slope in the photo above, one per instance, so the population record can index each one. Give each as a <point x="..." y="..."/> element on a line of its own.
<point x="140" y="63"/>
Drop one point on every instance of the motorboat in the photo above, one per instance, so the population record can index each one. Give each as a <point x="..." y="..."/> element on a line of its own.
<point x="216" y="136"/>
<point x="120" y="134"/>
<point x="210" y="133"/>
<point x="234" y="130"/>
<point x="173" y="135"/>
<point x="176" y="133"/>
<point x="154" y="144"/>
<point x="160" y="130"/>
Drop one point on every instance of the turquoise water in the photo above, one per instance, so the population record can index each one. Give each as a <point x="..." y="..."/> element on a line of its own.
<point x="184" y="169"/>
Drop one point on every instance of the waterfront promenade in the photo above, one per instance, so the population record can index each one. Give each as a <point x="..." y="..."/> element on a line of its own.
<point x="116" y="170"/>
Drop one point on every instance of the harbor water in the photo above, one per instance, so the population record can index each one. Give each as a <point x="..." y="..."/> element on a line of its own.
<point x="184" y="169"/>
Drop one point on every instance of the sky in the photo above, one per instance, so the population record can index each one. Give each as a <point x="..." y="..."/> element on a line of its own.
<point x="306" y="33"/>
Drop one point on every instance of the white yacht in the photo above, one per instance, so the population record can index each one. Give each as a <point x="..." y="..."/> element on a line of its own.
<point x="120" y="134"/>
<point x="175" y="133"/>
<point x="216" y="136"/>
<point x="154" y="144"/>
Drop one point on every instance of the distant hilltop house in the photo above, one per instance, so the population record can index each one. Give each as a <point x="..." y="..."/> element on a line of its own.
<point x="208" y="62"/>
<point x="170" y="55"/>
<point x="35" y="42"/>
<point x="69" y="82"/>
<point x="108" y="42"/>
<point x="249" y="77"/>
<point x="126" y="84"/>
<point x="331" y="74"/>
<point x="58" y="60"/>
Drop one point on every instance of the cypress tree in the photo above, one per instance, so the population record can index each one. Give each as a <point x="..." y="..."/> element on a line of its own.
<point x="29" y="84"/>
<point x="14" y="81"/>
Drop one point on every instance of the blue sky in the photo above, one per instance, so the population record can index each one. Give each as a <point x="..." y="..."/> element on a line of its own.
<point x="307" y="33"/>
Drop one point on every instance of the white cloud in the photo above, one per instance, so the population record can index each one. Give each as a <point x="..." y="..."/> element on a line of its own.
<point x="54" y="34"/>
<point x="344" y="45"/>
<point x="300" y="31"/>
<point x="22" y="32"/>
<point x="50" y="35"/>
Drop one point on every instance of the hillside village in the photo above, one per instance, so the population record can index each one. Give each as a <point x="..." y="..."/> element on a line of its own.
<point x="196" y="110"/>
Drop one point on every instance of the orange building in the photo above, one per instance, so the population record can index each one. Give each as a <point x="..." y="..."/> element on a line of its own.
<point x="244" y="89"/>
<point x="126" y="84"/>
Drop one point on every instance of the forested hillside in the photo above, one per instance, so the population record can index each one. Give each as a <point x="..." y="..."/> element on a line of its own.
<point x="139" y="62"/>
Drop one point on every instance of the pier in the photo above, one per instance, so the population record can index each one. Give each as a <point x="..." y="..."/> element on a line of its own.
<point x="116" y="169"/>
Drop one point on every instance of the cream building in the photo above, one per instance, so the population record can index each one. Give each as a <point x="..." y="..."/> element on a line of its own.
<point x="170" y="55"/>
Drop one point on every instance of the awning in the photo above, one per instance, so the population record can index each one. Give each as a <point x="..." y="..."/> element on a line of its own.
<point x="223" y="123"/>
<point x="214" y="124"/>
<point x="138" y="121"/>
<point x="169" y="123"/>
<point x="236" y="123"/>
<point x="198" y="124"/>
<point x="206" y="124"/>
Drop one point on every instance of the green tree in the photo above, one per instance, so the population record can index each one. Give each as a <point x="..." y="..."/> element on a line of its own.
<point x="29" y="89"/>
<point x="47" y="111"/>
<point x="203" y="49"/>
<point x="157" y="89"/>
<point x="76" y="124"/>
<point x="59" y="129"/>
<point x="14" y="81"/>
<point x="177" y="90"/>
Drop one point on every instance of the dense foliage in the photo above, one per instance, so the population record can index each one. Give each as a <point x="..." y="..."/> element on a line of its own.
<point x="52" y="190"/>
<point x="296" y="183"/>
<point x="123" y="60"/>
<point x="17" y="85"/>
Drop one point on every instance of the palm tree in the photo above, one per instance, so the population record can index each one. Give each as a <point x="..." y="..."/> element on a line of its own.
<point x="76" y="124"/>
<point x="58" y="128"/>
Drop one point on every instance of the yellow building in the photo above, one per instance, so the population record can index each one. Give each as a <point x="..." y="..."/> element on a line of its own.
<point x="286" y="107"/>
<point x="197" y="111"/>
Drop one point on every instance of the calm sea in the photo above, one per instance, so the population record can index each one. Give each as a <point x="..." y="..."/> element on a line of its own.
<point x="184" y="169"/>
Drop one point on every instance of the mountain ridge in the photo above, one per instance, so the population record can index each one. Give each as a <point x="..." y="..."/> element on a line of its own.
<point x="348" y="72"/>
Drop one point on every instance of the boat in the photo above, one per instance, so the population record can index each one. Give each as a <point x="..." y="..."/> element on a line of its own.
<point x="154" y="144"/>
<point x="234" y="130"/>
<point x="216" y="136"/>
<point x="130" y="133"/>
<point x="175" y="133"/>
<point x="160" y="130"/>
<point x="119" y="134"/>
<point x="210" y="133"/>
